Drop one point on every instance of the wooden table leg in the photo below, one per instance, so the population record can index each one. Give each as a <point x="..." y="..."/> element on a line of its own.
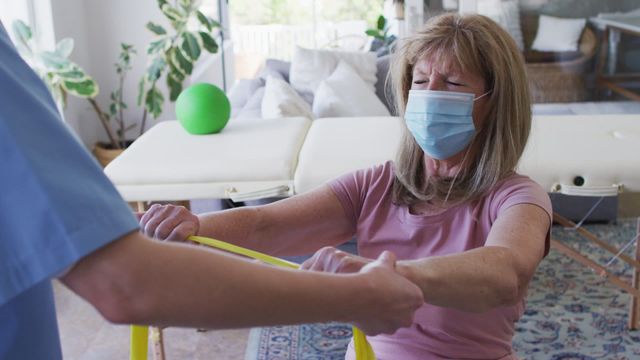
<point x="634" y="306"/>
<point x="157" y="342"/>
<point x="142" y="206"/>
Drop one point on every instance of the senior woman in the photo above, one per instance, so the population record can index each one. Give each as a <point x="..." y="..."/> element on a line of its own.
<point x="468" y="230"/>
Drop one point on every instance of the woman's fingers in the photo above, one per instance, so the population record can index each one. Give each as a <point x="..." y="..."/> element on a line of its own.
<point x="330" y="259"/>
<point x="169" y="222"/>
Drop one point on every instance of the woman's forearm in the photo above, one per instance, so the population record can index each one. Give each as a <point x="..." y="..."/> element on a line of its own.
<point x="252" y="228"/>
<point x="476" y="280"/>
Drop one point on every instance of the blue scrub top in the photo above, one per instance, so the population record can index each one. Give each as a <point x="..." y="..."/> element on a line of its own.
<point x="56" y="206"/>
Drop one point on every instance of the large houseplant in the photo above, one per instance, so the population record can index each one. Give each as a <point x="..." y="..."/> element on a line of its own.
<point x="172" y="53"/>
<point x="64" y="77"/>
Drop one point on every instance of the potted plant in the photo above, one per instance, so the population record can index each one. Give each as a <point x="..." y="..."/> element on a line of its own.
<point x="64" y="77"/>
<point x="382" y="41"/>
<point x="171" y="53"/>
<point x="174" y="53"/>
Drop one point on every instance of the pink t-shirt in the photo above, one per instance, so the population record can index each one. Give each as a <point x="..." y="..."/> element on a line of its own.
<point x="437" y="332"/>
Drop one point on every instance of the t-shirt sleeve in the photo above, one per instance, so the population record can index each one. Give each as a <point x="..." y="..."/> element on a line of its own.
<point x="523" y="190"/>
<point x="56" y="205"/>
<point x="352" y="188"/>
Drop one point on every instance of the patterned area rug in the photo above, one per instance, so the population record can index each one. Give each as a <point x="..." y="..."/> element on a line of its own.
<point x="572" y="313"/>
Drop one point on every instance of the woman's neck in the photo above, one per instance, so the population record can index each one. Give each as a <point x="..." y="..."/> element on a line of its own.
<point x="444" y="168"/>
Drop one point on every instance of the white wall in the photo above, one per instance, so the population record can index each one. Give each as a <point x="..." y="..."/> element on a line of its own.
<point x="98" y="27"/>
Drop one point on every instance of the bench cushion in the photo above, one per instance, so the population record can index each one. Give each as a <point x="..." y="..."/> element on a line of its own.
<point x="335" y="146"/>
<point x="167" y="163"/>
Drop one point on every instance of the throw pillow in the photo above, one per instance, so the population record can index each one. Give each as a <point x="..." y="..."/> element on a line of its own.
<point x="276" y="68"/>
<point x="281" y="100"/>
<point x="309" y="67"/>
<point x="242" y="91"/>
<point x="384" y="92"/>
<point x="558" y="34"/>
<point x="507" y="14"/>
<point x="345" y="94"/>
<point x="252" y="109"/>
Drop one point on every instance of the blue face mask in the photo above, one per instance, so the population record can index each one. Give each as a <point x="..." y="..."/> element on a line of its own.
<point x="441" y="121"/>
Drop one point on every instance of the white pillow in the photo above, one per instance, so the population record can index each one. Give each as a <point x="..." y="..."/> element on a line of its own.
<point x="345" y="94"/>
<point x="309" y="67"/>
<point x="507" y="14"/>
<point x="558" y="34"/>
<point x="281" y="100"/>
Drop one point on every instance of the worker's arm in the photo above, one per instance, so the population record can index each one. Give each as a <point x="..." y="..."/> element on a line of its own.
<point x="136" y="280"/>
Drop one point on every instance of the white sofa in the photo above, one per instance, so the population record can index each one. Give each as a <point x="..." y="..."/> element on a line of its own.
<point x="262" y="158"/>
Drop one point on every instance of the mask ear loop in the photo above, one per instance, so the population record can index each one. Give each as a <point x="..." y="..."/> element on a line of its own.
<point x="481" y="96"/>
<point x="463" y="158"/>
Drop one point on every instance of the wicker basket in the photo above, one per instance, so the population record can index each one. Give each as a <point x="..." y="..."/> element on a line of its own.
<point x="559" y="81"/>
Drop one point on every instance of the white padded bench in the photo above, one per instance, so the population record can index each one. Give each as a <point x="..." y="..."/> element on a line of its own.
<point x="281" y="157"/>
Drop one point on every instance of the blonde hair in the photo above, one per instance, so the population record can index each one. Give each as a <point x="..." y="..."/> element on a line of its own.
<point x="480" y="46"/>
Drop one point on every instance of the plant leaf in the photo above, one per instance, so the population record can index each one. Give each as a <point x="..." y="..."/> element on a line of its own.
<point x="208" y="42"/>
<point x="156" y="29"/>
<point x="381" y="22"/>
<point x="183" y="63"/>
<point x="175" y="87"/>
<point x="373" y="32"/>
<point x="83" y="89"/>
<point x="141" y="86"/>
<point x="204" y="20"/>
<point x="157" y="46"/>
<point x="214" y="24"/>
<point x="75" y="74"/>
<point x="174" y="69"/>
<point x="64" y="47"/>
<point x="22" y="31"/>
<point x="154" y="102"/>
<point x="172" y="13"/>
<point x="55" y="61"/>
<point x="113" y="109"/>
<point x="186" y="4"/>
<point x="190" y="46"/>
<point x="154" y="71"/>
<point x="22" y="34"/>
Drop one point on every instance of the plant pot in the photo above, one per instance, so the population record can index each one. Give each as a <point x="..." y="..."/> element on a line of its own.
<point x="105" y="154"/>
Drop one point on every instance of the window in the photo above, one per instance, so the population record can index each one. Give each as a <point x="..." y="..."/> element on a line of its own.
<point x="272" y="28"/>
<point x="35" y="13"/>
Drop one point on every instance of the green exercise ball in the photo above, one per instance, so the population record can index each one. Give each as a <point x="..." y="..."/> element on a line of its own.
<point x="203" y="109"/>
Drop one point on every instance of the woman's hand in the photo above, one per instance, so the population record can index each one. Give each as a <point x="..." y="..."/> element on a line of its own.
<point x="169" y="222"/>
<point x="391" y="299"/>
<point x="330" y="259"/>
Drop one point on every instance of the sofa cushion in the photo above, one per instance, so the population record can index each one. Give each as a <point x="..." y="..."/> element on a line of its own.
<point x="241" y="92"/>
<point x="383" y="89"/>
<point x="344" y="94"/>
<point x="558" y="34"/>
<point x="309" y="67"/>
<point x="281" y="100"/>
<point x="253" y="107"/>
<point x="276" y="68"/>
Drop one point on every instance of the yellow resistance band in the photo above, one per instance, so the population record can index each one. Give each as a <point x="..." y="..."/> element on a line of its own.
<point x="139" y="334"/>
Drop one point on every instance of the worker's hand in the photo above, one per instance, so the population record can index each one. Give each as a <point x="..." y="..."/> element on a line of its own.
<point x="169" y="222"/>
<point x="330" y="259"/>
<point x="391" y="299"/>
